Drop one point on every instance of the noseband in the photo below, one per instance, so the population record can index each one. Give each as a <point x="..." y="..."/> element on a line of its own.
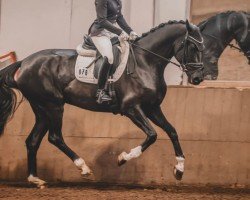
<point x="199" y="45"/>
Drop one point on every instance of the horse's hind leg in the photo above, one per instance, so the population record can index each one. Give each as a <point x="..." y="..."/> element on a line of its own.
<point x="33" y="142"/>
<point x="139" y="118"/>
<point x="157" y="117"/>
<point x="56" y="138"/>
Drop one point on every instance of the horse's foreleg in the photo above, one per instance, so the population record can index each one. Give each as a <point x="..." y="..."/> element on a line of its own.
<point x="157" y="117"/>
<point x="139" y="118"/>
<point x="56" y="138"/>
<point x="33" y="142"/>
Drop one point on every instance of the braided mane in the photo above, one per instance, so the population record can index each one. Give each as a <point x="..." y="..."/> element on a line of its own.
<point x="160" y="26"/>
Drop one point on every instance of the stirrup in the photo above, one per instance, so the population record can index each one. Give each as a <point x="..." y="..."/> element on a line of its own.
<point x="102" y="96"/>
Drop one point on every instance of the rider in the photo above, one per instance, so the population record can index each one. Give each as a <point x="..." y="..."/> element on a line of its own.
<point x="101" y="32"/>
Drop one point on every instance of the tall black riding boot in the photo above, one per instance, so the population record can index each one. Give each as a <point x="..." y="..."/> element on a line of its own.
<point x="102" y="95"/>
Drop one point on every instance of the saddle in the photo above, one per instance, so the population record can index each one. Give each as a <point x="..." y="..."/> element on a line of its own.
<point x="89" y="61"/>
<point x="88" y="45"/>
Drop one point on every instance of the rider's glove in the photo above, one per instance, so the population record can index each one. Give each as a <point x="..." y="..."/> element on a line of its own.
<point x="123" y="37"/>
<point x="133" y="35"/>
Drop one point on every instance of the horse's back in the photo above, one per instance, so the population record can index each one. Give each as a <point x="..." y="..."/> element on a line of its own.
<point x="48" y="54"/>
<point x="47" y="72"/>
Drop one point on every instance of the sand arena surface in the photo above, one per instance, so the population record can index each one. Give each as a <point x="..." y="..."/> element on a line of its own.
<point x="103" y="192"/>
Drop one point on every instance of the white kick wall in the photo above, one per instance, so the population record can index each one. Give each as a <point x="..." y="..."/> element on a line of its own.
<point x="28" y="26"/>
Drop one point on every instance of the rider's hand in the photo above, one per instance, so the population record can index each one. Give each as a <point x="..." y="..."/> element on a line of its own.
<point x="133" y="35"/>
<point x="123" y="37"/>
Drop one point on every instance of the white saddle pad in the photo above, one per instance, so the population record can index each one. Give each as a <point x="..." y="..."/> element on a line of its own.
<point x="85" y="73"/>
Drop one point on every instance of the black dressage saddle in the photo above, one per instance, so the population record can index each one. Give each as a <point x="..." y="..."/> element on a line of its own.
<point x="89" y="45"/>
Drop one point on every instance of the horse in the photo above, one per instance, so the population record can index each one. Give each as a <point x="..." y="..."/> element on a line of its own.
<point x="218" y="32"/>
<point x="47" y="80"/>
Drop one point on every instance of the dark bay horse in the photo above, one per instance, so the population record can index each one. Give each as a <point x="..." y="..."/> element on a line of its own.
<point x="47" y="81"/>
<point x="218" y="32"/>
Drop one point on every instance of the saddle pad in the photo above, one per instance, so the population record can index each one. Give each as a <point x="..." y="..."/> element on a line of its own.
<point x="85" y="73"/>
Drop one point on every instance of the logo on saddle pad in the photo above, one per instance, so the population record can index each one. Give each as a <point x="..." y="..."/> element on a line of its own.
<point x="85" y="64"/>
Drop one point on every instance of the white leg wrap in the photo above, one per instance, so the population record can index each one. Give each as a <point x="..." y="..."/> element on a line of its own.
<point x="36" y="180"/>
<point x="180" y="164"/>
<point x="81" y="165"/>
<point x="134" y="153"/>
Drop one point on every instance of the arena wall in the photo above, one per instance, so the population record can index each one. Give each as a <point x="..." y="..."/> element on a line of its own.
<point x="213" y="125"/>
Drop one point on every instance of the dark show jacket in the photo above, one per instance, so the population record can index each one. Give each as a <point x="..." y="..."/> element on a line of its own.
<point x="108" y="13"/>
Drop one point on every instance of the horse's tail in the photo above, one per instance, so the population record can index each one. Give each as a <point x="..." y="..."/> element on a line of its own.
<point x="8" y="98"/>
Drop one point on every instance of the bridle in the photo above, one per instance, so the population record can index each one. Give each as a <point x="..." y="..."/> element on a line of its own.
<point x="184" y="65"/>
<point x="199" y="45"/>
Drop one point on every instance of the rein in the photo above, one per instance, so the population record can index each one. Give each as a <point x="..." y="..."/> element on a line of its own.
<point x="151" y="52"/>
<point x="183" y="65"/>
<point x="235" y="47"/>
<point x="157" y="55"/>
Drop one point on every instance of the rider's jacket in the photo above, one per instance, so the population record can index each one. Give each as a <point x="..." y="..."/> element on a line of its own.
<point x="109" y="13"/>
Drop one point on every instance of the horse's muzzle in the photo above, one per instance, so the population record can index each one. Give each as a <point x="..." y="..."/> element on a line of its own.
<point x="196" y="80"/>
<point x="197" y="77"/>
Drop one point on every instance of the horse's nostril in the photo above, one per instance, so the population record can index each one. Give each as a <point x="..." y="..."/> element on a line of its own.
<point x="197" y="80"/>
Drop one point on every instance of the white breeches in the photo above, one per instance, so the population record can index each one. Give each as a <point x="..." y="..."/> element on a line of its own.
<point x="104" y="45"/>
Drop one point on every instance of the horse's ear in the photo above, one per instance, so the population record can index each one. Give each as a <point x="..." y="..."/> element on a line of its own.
<point x="189" y="28"/>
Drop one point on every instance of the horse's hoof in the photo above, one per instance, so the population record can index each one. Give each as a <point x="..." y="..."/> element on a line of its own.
<point x="42" y="187"/>
<point x="36" y="181"/>
<point x="87" y="174"/>
<point x="178" y="174"/>
<point x="121" y="161"/>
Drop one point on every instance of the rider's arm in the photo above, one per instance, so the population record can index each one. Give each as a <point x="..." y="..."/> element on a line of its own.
<point x="123" y="24"/>
<point x="101" y="10"/>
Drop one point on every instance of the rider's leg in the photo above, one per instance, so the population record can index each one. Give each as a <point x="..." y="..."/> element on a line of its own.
<point x="104" y="46"/>
<point x="102" y="94"/>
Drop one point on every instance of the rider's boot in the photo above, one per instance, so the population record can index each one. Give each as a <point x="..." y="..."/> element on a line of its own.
<point x="102" y="95"/>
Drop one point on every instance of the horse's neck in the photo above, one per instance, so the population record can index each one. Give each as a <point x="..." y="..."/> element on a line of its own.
<point x="226" y="30"/>
<point x="241" y="26"/>
<point x="161" y="42"/>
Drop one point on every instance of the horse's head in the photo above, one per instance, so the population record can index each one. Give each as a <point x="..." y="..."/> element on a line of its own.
<point x="189" y="53"/>
<point x="218" y="32"/>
